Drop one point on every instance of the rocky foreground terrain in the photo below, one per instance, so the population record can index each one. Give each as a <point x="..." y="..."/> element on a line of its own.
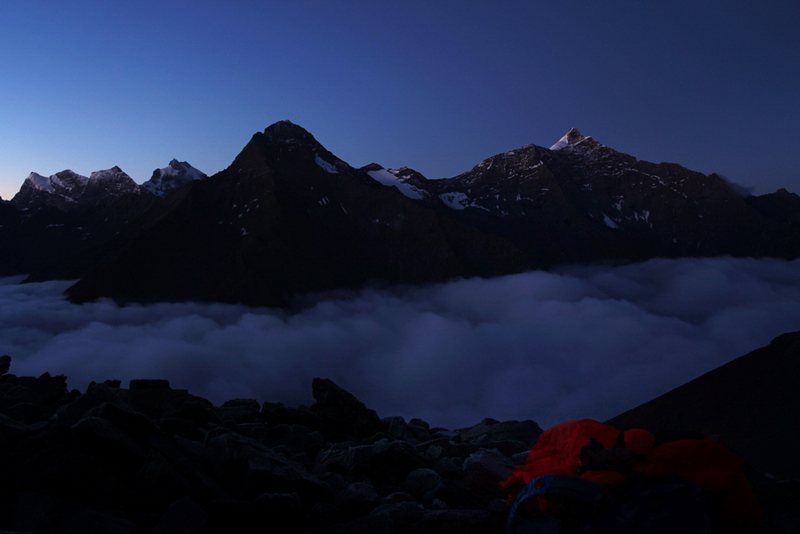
<point x="149" y="458"/>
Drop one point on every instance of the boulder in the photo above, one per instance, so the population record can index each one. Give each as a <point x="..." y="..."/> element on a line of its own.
<point x="483" y="472"/>
<point x="343" y="416"/>
<point x="421" y="481"/>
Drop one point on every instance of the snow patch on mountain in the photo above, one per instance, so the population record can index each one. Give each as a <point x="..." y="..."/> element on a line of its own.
<point x="454" y="200"/>
<point x="325" y="165"/>
<point x="610" y="223"/>
<point x="561" y="143"/>
<point x="573" y="140"/>
<point x="572" y="137"/>
<point x="40" y="182"/>
<point x="386" y="177"/>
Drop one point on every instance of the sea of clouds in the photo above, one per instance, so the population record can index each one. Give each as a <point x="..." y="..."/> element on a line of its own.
<point x="548" y="346"/>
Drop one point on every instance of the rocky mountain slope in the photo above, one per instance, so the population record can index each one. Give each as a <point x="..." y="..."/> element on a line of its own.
<point x="289" y="217"/>
<point x="751" y="403"/>
<point x="582" y="201"/>
<point x="47" y="243"/>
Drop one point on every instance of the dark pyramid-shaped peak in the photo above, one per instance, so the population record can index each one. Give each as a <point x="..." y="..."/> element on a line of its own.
<point x="574" y="135"/>
<point x="286" y="149"/>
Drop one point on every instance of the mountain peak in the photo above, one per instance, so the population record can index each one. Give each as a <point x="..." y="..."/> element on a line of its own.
<point x="171" y="177"/>
<point x="108" y="174"/>
<point x="288" y="132"/>
<point x="284" y="128"/>
<point x="39" y="182"/>
<point x="113" y="174"/>
<point x="571" y="138"/>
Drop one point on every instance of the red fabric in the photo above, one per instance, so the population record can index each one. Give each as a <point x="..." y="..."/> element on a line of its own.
<point x="639" y="441"/>
<point x="558" y="449"/>
<point x="713" y="468"/>
<point x="704" y="462"/>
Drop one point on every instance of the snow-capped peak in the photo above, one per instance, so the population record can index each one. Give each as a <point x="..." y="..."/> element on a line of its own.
<point x="171" y="177"/>
<point x="182" y="167"/>
<point x="40" y="182"/>
<point x="108" y="174"/>
<point x="572" y="137"/>
<point x="67" y="189"/>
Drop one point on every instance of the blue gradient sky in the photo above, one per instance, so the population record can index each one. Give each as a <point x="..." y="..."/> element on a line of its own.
<point x="437" y="86"/>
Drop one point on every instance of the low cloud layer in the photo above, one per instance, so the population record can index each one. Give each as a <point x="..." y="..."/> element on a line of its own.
<point x="581" y="342"/>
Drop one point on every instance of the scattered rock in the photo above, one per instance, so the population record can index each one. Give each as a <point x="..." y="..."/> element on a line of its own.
<point x="155" y="459"/>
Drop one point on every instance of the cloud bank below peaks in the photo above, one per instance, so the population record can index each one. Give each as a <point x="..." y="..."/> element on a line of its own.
<point x="579" y="342"/>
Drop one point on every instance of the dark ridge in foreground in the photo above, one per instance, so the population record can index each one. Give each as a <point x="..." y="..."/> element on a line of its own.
<point x="752" y="402"/>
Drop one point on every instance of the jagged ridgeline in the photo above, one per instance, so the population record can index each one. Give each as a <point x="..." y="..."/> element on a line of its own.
<point x="289" y="217"/>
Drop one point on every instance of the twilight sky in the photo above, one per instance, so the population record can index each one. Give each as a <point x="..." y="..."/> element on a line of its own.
<point x="437" y="86"/>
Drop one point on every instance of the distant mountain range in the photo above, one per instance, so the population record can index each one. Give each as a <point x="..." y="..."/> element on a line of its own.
<point x="67" y="190"/>
<point x="288" y="217"/>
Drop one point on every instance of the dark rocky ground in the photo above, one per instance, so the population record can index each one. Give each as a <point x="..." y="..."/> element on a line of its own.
<point x="149" y="458"/>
